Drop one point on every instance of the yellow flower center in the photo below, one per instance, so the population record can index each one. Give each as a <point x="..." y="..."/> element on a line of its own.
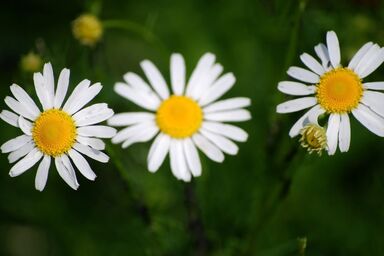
<point x="313" y="138"/>
<point x="339" y="90"/>
<point x="179" y="117"/>
<point x="87" y="29"/>
<point x="54" y="132"/>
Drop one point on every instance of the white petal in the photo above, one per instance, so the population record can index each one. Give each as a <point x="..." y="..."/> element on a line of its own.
<point x="158" y="151"/>
<point x="239" y="115"/>
<point x="20" y="152"/>
<point x="25" y="126"/>
<point x="124" y="119"/>
<point x="333" y="48"/>
<point x="206" y="81"/>
<point x="344" y="133"/>
<point x="92" y="153"/>
<point x="303" y="75"/>
<point x="99" y="131"/>
<point x="228" y="104"/>
<point x="92" y="142"/>
<point x="23" y="97"/>
<point x="42" y="173"/>
<point x="62" y="87"/>
<point x="9" y="117"/>
<point x="374" y="100"/>
<point x="82" y="164"/>
<point x="155" y="78"/>
<point x="373" y="64"/>
<point x="137" y="82"/>
<point x="358" y="55"/>
<point x="93" y="114"/>
<point x="49" y="83"/>
<point x="41" y="92"/>
<point x="367" y="58"/>
<point x="369" y="119"/>
<point x="333" y="132"/>
<point x="66" y="171"/>
<point x="230" y="131"/>
<point x="140" y="98"/>
<point x="312" y="63"/>
<point x="26" y="163"/>
<point x="192" y="157"/>
<point x="218" y="89"/>
<point x="205" y="63"/>
<point x="19" y="108"/>
<point x="75" y="96"/>
<point x="322" y="52"/>
<point x="15" y="143"/>
<point x="313" y="113"/>
<point x="224" y="144"/>
<point x="142" y="136"/>
<point x="209" y="149"/>
<point x="83" y="99"/>
<point x="296" y="105"/>
<point x="177" y="73"/>
<point x="178" y="162"/>
<point x="130" y="131"/>
<point x="374" y="85"/>
<point x="295" y="88"/>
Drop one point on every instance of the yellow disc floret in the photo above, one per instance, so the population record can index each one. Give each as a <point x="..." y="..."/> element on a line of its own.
<point x="313" y="138"/>
<point x="87" y="29"/>
<point x="339" y="90"/>
<point x="54" y="132"/>
<point x="179" y="117"/>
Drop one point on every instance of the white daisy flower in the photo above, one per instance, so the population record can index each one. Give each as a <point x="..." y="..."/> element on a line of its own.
<point x="59" y="132"/>
<point x="337" y="91"/>
<point x="189" y="117"/>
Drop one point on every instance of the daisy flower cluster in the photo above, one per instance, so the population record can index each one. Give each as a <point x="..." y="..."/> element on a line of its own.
<point x="328" y="88"/>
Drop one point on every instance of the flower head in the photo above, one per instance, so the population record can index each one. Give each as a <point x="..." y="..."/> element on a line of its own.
<point x="313" y="138"/>
<point x="88" y="29"/>
<point x="337" y="92"/>
<point x="31" y="62"/>
<point x="185" y="119"/>
<point x="62" y="132"/>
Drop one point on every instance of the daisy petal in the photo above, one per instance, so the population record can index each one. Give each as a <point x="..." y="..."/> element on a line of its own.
<point x="99" y="131"/>
<point x="205" y="63"/>
<point x="66" y="171"/>
<point x="344" y="133"/>
<point x="312" y="114"/>
<point x="93" y="114"/>
<point x="49" y="83"/>
<point x="158" y="151"/>
<point x="83" y="99"/>
<point x="92" y="142"/>
<point x="238" y="115"/>
<point x="75" y="96"/>
<point x="230" y="131"/>
<point x="373" y="64"/>
<point x="333" y="48"/>
<point x="124" y="119"/>
<point x="92" y="153"/>
<point x="178" y="162"/>
<point x="333" y="132"/>
<point x="303" y="75"/>
<point x="42" y="173"/>
<point x="41" y="92"/>
<point x="20" y="152"/>
<point x="142" y="136"/>
<point x="137" y="82"/>
<point x="130" y="131"/>
<point x="15" y="143"/>
<point x="25" y="126"/>
<point x="206" y="81"/>
<point x="224" y="144"/>
<point x="82" y="164"/>
<point x="209" y="149"/>
<point x="322" y="52"/>
<point x="295" y="88"/>
<point x="374" y="86"/>
<point x="26" y="163"/>
<point x="19" y="108"/>
<point x="177" y="73"/>
<point x="62" y="87"/>
<point x="218" y="89"/>
<point x="144" y="100"/>
<point x="155" y="78"/>
<point x="23" y="97"/>
<point x="312" y="63"/>
<point x="375" y="101"/>
<point x="192" y="157"/>
<point x="296" y="105"/>
<point x="367" y="58"/>
<point x="369" y="119"/>
<point x="10" y="118"/>
<point x="228" y="104"/>
<point x="359" y="54"/>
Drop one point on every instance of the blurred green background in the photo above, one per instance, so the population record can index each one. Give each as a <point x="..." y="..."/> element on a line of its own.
<point x="265" y="201"/>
